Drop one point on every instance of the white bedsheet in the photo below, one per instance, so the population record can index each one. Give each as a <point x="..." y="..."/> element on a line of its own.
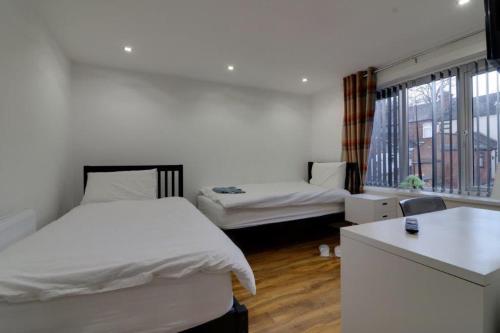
<point x="108" y="246"/>
<point x="277" y="195"/>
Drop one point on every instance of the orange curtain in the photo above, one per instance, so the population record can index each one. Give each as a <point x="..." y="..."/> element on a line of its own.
<point x="360" y="91"/>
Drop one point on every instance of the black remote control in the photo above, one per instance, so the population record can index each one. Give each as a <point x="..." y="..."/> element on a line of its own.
<point x="411" y="225"/>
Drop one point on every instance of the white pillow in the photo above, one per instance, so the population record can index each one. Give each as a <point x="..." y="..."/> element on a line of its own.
<point x="121" y="185"/>
<point x="329" y="175"/>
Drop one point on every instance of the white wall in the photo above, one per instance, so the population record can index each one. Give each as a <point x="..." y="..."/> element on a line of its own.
<point x="34" y="117"/>
<point x="328" y="106"/>
<point x="327" y="118"/>
<point x="222" y="134"/>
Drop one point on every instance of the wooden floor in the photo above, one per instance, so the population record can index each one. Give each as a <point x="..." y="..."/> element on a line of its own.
<point x="297" y="290"/>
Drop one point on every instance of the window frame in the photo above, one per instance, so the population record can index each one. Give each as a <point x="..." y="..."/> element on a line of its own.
<point x="471" y="70"/>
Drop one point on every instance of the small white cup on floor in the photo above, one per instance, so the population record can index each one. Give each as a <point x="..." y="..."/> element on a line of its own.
<point x="324" y="250"/>
<point x="338" y="252"/>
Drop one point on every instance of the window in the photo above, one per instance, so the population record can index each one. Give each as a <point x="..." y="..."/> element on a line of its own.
<point x="443" y="128"/>
<point x="485" y="124"/>
<point x="431" y="109"/>
<point x="427" y="130"/>
<point x="384" y="150"/>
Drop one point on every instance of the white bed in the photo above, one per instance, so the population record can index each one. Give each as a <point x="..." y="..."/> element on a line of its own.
<point x="270" y="203"/>
<point x="124" y="266"/>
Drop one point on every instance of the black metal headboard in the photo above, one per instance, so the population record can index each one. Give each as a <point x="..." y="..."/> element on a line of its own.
<point x="167" y="174"/>
<point x="351" y="169"/>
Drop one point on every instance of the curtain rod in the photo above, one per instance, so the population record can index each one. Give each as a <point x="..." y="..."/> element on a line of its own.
<point x="427" y="51"/>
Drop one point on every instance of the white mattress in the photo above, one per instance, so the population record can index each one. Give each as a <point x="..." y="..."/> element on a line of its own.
<point x="236" y="218"/>
<point x="272" y="195"/>
<point x="164" y="305"/>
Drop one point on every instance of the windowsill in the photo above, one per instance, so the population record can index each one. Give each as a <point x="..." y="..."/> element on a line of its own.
<point x="482" y="201"/>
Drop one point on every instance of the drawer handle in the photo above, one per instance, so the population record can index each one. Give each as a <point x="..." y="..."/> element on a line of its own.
<point x="384" y="203"/>
<point x="385" y="216"/>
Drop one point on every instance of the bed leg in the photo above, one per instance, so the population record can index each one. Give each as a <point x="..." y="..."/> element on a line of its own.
<point x="241" y="317"/>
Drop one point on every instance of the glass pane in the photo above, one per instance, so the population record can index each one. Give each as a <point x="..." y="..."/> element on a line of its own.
<point x="485" y="124"/>
<point x="383" y="165"/>
<point x="433" y="134"/>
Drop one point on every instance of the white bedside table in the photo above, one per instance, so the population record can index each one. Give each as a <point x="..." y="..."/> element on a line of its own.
<point x="365" y="208"/>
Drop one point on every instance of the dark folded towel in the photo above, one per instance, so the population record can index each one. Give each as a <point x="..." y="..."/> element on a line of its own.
<point x="228" y="190"/>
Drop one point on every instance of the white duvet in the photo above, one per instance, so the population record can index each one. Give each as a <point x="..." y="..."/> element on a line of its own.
<point x="277" y="195"/>
<point x="107" y="246"/>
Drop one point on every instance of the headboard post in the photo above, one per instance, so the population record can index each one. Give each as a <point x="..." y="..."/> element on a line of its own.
<point x="181" y="181"/>
<point x="309" y="170"/>
<point x="162" y="169"/>
<point x="158" y="185"/>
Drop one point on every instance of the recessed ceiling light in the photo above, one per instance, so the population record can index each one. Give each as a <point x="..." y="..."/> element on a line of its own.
<point x="127" y="48"/>
<point x="463" y="2"/>
<point x="230" y="68"/>
<point x="305" y="80"/>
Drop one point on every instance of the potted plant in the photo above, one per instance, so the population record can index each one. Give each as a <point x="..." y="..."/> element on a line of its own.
<point x="412" y="183"/>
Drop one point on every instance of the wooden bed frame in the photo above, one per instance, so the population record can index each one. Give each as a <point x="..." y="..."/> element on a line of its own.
<point x="236" y="319"/>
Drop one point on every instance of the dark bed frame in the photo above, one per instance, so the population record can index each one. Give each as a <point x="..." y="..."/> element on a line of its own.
<point x="171" y="176"/>
<point x="167" y="175"/>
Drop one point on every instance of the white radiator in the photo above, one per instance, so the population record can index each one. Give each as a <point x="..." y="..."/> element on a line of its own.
<point x="15" y="227"/>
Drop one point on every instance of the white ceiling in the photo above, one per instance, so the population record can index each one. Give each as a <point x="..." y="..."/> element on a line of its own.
<point x="272" y="43"/>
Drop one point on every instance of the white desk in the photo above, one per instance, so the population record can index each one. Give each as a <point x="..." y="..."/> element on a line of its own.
<point x="444" y="279"/>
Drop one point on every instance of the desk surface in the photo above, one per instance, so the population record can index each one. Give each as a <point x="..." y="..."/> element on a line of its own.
<point x="464" y="242"/>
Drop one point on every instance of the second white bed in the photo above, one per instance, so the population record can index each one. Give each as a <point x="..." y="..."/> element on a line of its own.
<point x="237" y="218"/>
<point x="270" y="203"/>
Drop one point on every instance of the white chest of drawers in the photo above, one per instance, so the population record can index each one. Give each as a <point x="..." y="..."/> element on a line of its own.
<point x="364" y="208"/>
